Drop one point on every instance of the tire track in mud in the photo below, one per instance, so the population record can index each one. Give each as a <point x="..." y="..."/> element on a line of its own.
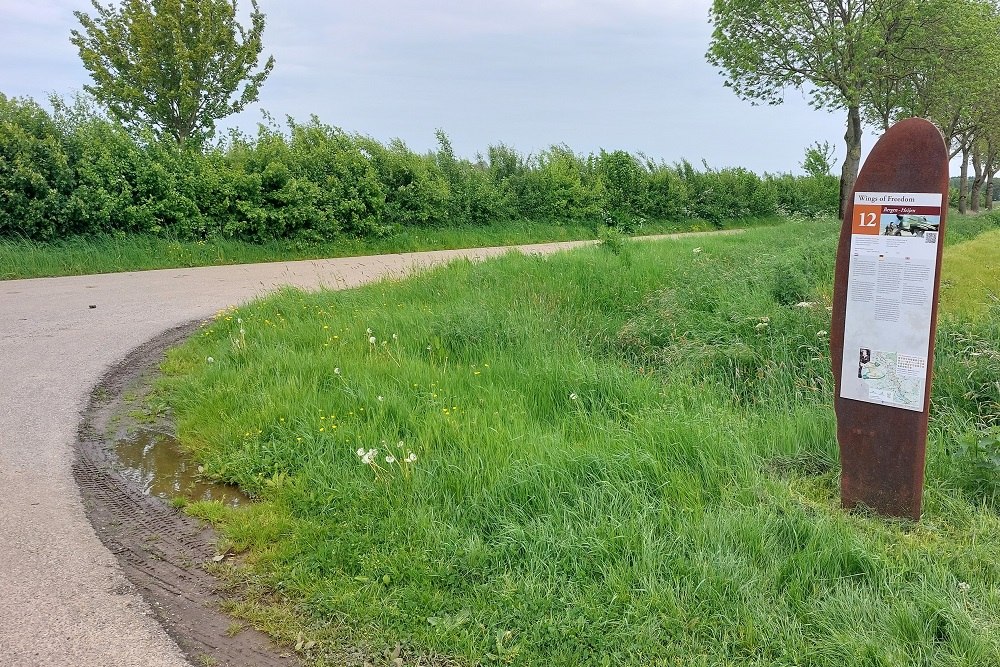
<point x="162" y="552"/>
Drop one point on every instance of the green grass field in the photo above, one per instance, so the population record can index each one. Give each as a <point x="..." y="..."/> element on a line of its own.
<point x="623" y="455"/>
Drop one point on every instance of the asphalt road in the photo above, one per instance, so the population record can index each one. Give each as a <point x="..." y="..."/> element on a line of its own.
<point x="63" y="599"/>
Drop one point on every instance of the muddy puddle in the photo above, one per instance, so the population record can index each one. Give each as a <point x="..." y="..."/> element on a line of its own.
<point x="154" y="463"/>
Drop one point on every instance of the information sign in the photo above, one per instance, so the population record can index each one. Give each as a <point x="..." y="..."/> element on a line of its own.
<point x="884" y="315"/>
<point x="893" y="262"/>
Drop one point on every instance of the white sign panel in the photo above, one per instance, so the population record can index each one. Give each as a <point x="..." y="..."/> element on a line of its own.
<point x="890" y="294"/>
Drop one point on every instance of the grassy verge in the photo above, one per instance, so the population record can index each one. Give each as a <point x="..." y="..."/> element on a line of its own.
<point x="623" y="455"/>
<point x="109" y="254"/>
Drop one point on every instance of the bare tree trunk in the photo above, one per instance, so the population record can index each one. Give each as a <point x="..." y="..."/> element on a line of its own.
<point x="963" y="181"/>
<point x="977" y="182"/>
<point x="992" y="167"/>
<point x="852" y="162"/>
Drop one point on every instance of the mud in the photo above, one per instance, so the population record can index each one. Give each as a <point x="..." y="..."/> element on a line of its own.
<point x="162" y="552"/>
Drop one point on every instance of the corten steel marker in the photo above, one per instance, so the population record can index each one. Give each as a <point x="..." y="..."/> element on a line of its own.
<point x="884" y="317"/>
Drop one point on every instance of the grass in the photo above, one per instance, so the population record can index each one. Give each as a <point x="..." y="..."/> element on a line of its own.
<point x="975" y="267"/>
<point x="624" y="455"/>
<point x="109" y="254"/>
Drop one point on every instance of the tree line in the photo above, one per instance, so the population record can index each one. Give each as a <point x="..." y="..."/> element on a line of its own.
<point x="879" y="61"/>
<point x="72" y="171"/>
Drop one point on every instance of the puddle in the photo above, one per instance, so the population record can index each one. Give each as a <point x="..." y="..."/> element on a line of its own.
<point x="154" y="463"/>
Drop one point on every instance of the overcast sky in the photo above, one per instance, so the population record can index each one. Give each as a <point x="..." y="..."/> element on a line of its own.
<point x="612" y="74"/>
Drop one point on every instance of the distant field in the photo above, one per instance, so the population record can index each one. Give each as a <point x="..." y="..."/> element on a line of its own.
<point x="623" y="455"/>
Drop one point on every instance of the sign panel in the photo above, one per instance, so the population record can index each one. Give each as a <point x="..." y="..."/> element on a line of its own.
<point x="890" y="297"/>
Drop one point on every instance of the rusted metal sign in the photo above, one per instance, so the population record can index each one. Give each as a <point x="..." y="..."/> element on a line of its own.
<point x="884" y="318"/>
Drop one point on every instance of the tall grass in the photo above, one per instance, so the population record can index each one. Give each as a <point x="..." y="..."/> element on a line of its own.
<point x="621" y="458"/>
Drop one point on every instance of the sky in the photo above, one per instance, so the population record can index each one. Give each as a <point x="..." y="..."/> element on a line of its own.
<point x="591" y="74"/>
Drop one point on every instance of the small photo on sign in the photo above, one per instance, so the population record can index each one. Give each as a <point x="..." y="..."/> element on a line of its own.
<point x="864" y="358"/>
<point x="897" y="224"/>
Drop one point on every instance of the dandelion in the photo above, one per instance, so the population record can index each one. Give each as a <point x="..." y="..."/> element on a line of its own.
<point x="820" y="334"/>
<point x="210" y="360"/>
<point x="380" y="399"/>
<point x="400" y="444"/>
<point x="573" y="397"/>
<point x="371" y="340"/>
<point x="760" y="326"/>
<point x="395" y="337"/>
<point x="696" y="250"/>
<point x="336" y="371"/>
<point x="411" y="457"/>
<point x="390" y="459"/>
<point x="964" y="586"/>
<point x="369" y="330"/>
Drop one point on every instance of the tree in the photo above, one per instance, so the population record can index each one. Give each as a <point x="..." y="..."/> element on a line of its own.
<point x="819" y="160"/>
<point x="839" y="49"/>
<point x="176" y="65"/>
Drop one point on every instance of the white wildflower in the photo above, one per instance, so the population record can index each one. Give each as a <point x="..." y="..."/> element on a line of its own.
<point x="573" y="397"/>
<point x="390" y="459"/>
<point x="210" y="360"/>
<point x="696" y="250"/>
<point x="821" y="334"/>
<point x="395" y="337"/>
<point x="336" y="371"/>
<point x="369" y="330"/>
<point x="411" y="457"/>
<point x="371" y="339"/>
<point x="380" y="399"/>
<point x="805" y="304"/>
<point x="964" y="586"/>
<point x="360" y="452"/>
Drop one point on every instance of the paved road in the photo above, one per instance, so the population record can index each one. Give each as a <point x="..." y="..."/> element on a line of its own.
<point x="63" y="600"/>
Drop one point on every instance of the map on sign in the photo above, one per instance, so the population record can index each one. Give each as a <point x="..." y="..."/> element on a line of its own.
<point x="890" y="292"/>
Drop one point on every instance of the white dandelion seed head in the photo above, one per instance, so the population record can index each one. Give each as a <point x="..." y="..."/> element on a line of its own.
<point x="411" y="457"/>
<point x="573" y="397"/>
<point x="210" y="360"/>
<point x="371" y="339"/>
<point x="360" y="452"/>
<point x="820" y="334"/>
<point x="369" y="330"/>
<point x="696" y="250"/>
<point x="380" y="399"/>
<point x="336" y="371"/>
<point x="395" y="337"/>
<point x="390" y="459"/>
